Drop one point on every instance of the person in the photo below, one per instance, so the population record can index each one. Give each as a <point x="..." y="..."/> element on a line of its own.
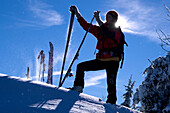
<point x="108" y="36"/>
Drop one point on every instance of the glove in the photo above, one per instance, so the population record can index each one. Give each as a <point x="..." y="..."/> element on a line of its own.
<point x="73" y="9"/>
<point x="96" y="14"/>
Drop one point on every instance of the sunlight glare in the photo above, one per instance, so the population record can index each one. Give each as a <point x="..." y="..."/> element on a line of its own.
<point x="122" y="22"/>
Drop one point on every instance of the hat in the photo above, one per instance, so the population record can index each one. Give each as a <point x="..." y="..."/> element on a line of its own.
<point x="114" y="14"/>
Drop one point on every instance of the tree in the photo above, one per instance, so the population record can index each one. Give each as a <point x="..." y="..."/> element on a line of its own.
<point x="135" y="99"/>
<point x="129" y="92"/>
<point x="154" y="93"/>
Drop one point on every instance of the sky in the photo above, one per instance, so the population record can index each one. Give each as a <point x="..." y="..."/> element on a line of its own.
<point x="27" y="26"/>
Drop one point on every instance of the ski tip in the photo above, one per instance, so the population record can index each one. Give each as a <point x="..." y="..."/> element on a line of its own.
<point x="100" y="99"/>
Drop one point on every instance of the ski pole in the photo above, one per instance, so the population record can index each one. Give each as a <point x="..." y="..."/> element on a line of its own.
<point x="67" y="44"/>
<point x="76" y="55"/>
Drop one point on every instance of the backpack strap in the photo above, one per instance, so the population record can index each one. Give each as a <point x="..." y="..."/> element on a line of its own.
<point x="122" y="57"/>
<point x="122" y="35"/>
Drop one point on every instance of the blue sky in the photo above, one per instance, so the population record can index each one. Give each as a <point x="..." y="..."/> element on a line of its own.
<point x="27" y="26"/>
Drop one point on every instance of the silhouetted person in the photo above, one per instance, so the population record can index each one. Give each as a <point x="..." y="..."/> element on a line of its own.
<point x="108" y="57"/>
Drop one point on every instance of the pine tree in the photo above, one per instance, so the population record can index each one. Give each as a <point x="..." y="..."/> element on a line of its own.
<point x="129" y="92"/>
<point x="154" y="91"/>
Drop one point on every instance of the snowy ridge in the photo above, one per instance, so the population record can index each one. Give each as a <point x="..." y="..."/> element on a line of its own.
<point x="25" y="96"/>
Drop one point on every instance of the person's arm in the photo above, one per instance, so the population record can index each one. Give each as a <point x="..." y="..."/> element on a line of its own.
<point x="93" y="29"/>
<point x="77" y="15"/>
<point x="96" y="15"/>
<point x="75" y="10"/>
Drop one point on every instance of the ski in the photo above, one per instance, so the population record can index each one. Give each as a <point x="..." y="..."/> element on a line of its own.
<point x="68" y="73"/>
<point x="50" y="65"/>
<point x="41" y="56"/>
<point x="67" y="44"/>
<point x="42" y="79"/>
<point x="28" y="72"/>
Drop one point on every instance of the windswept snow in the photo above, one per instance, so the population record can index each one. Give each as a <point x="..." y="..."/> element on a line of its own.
<point x="25" y="96"/>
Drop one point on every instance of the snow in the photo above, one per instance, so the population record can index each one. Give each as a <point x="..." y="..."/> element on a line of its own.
<point x="19" y="95"/>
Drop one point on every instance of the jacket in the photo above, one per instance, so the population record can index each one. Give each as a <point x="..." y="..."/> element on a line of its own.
<point x="108" y="40"/>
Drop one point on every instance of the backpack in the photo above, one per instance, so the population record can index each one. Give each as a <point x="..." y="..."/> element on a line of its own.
<point x="120" y="47"/>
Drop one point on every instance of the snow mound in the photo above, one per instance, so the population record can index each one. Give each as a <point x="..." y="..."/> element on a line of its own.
<point x="25" y="96"/>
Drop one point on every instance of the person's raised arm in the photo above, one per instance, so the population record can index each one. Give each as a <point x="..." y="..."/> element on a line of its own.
<point x="97" y="16"/>
<point x="75" y="10"/>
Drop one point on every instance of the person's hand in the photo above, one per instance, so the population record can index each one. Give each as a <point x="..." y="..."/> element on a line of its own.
<point x="73" y="9"/>
<point x="96" y="14"/>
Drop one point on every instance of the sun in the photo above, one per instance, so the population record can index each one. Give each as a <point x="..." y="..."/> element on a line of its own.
<point x="126" y="25"/>
<point x="122" y="22"/>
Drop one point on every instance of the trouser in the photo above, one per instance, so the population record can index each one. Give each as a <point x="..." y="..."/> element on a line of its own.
<point x="111" y="68"/>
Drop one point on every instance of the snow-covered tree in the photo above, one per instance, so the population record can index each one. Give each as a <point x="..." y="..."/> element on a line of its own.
<point x="167" y="108"/>
<point x="129" y="92"/>
<point x="135" y="99"/>
<point x="154" y="93"/>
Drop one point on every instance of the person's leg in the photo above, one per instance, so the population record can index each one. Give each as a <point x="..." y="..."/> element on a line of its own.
<point x="111" y="81"/>
<point x="91" y="65"/>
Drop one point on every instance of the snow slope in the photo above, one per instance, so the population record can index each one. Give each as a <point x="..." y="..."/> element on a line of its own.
<point x="25" y="96"/>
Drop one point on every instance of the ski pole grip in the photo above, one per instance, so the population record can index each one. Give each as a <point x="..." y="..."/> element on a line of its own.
<point x="72" y="9"/>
